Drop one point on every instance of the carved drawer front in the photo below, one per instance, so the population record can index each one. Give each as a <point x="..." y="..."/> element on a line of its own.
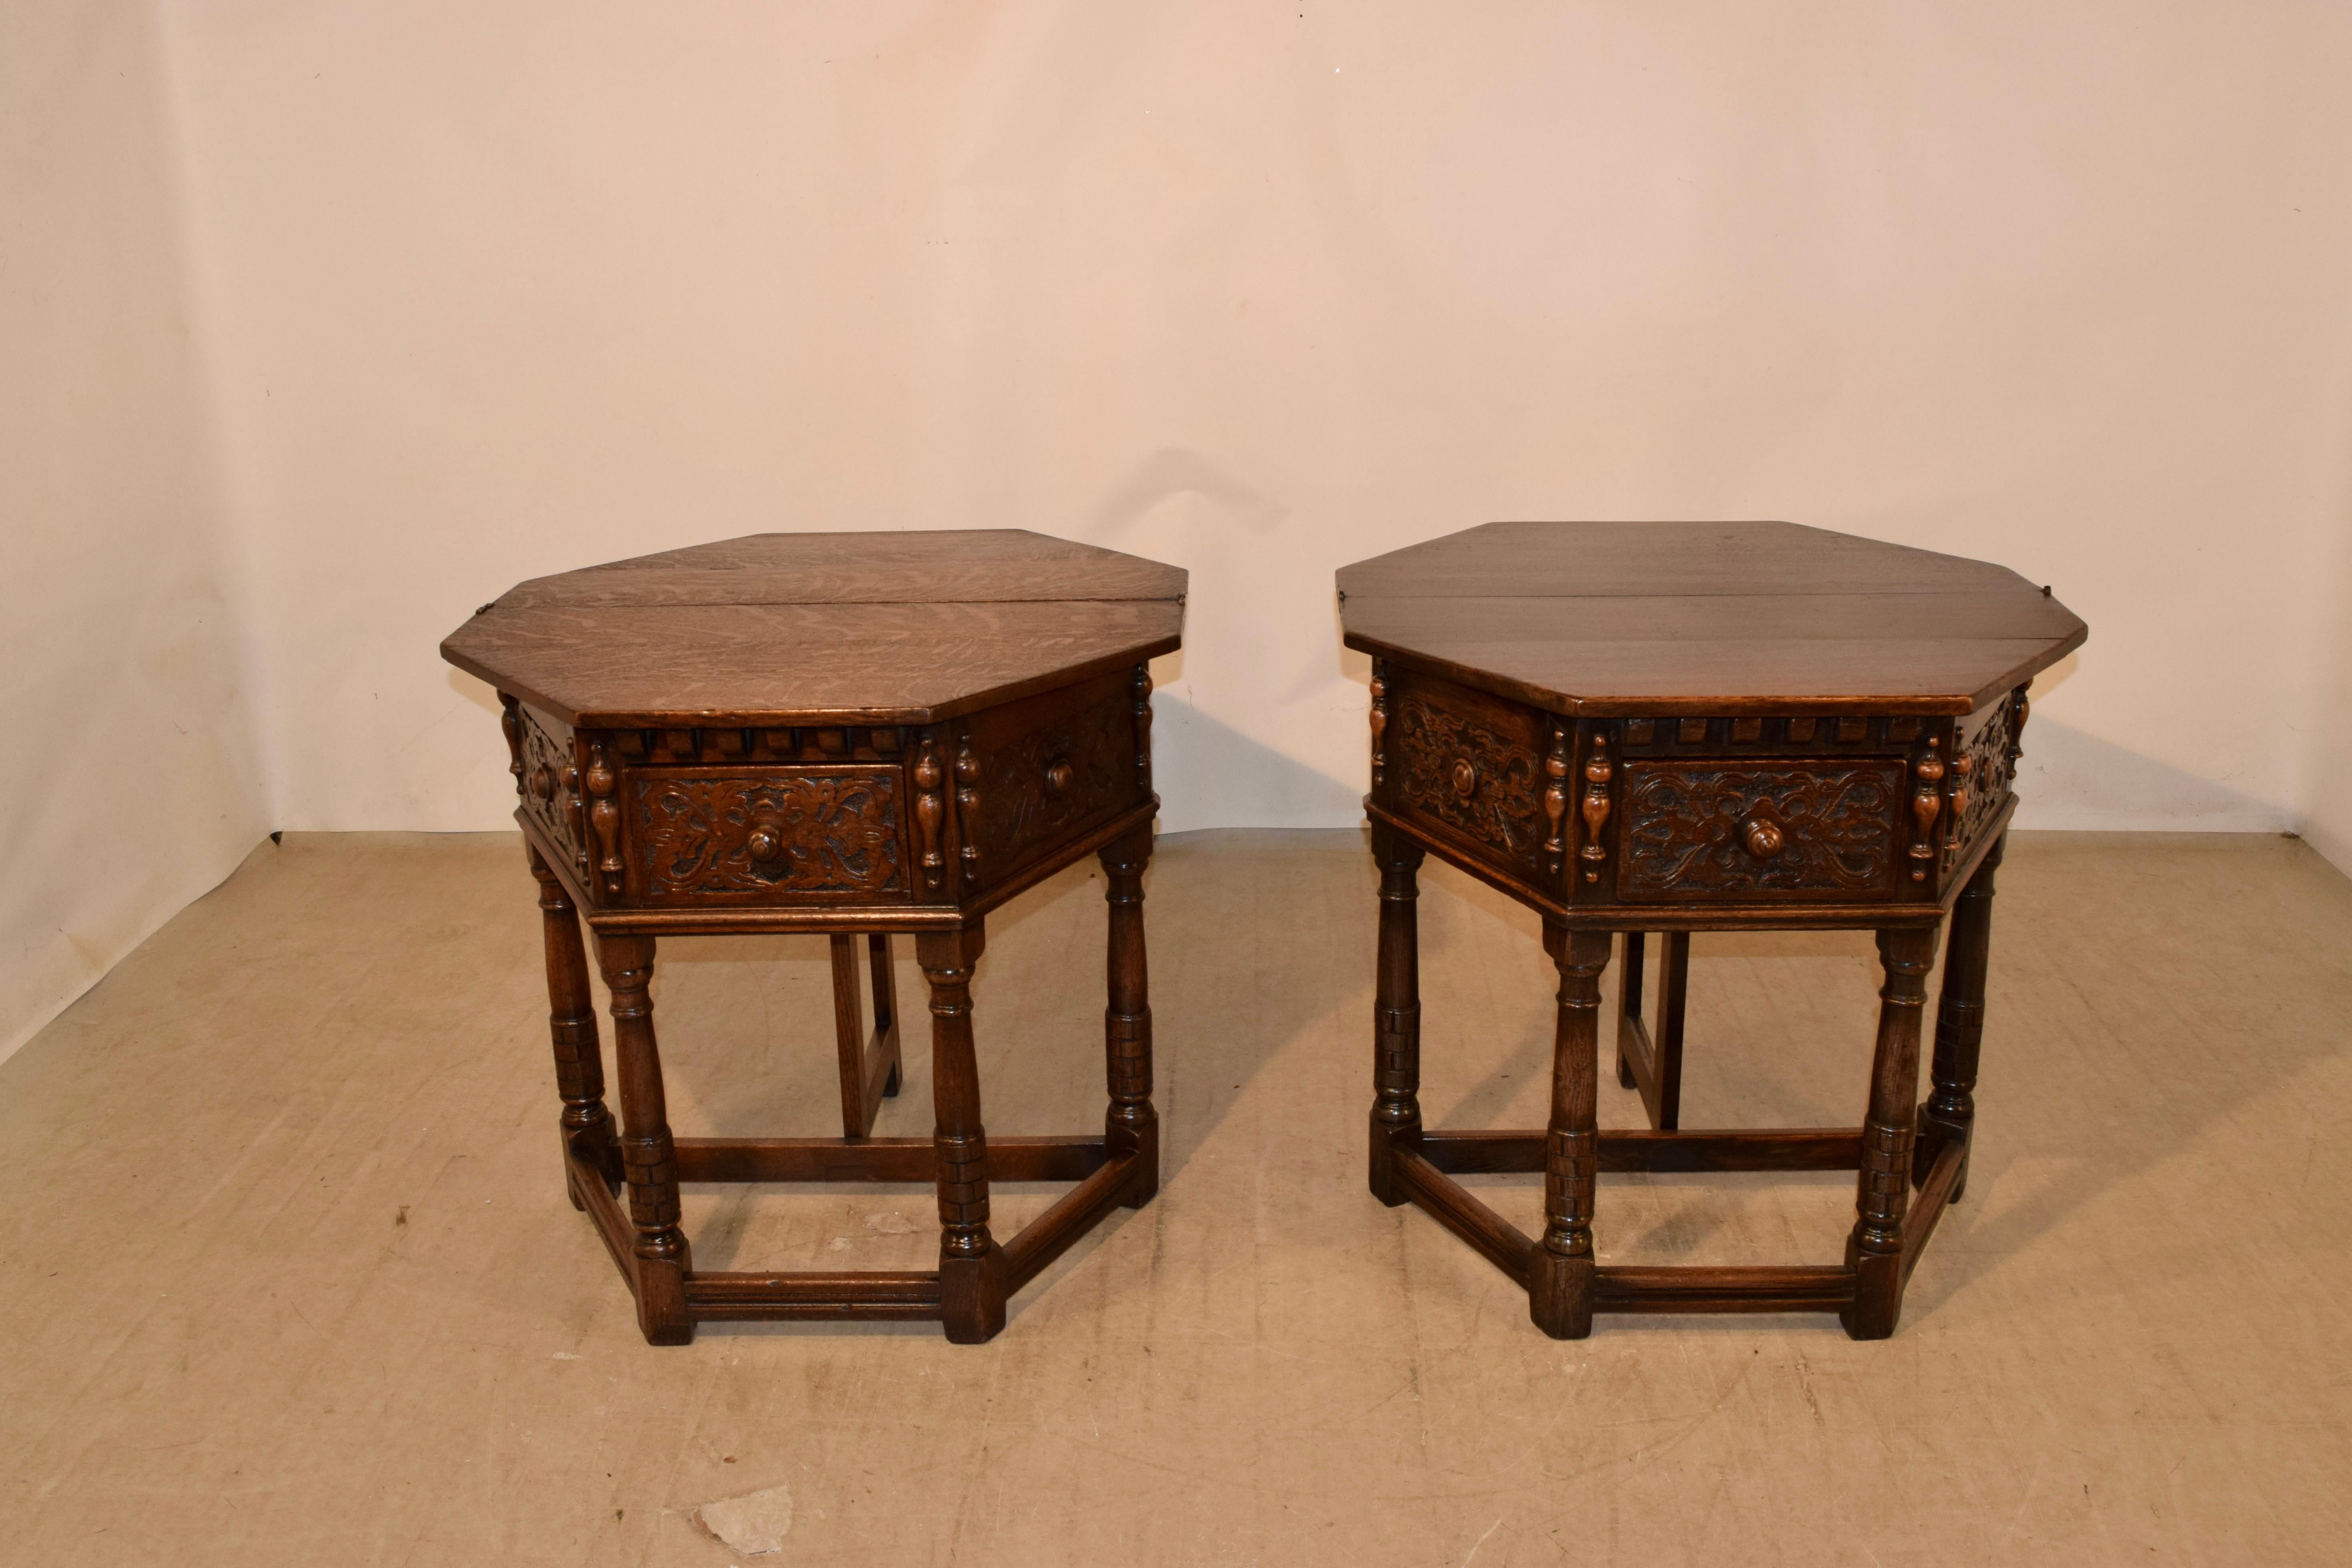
<point x="1043" y="771"/>
<point x="1776" y="830"/>
<point x="720" y="836"/>
<point x="548" y="781"/>
<point x="1471" y="762"/>
<point x="1983" y="771"/>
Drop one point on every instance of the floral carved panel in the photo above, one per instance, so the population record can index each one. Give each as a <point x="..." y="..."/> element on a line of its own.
<point x="549" y="784"/>
<point x="834" y="831"/>
<point x="1472" y="777"/>
<point x="1049" y="779"/>
<point x="1786" y="831"/>
<point x="1982" y="786"/>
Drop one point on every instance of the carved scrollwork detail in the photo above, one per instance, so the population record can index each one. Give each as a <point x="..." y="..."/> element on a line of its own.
<point x="548" y="781"/>
<point x="1503" y="807"/>
<point x="930" y="807"/>
<point x="1981" y="776"/>
<point x="1555" y="799"/>
<point x="801" y="833"/>
<point x="1379" y="721"/>
<point x="1700" y="829"/>
<point x="1046" y="779"/>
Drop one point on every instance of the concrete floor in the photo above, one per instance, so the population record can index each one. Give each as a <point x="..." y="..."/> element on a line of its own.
<point x="290" y="1276"/>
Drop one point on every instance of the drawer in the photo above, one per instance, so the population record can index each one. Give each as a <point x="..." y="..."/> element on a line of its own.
<point x="1470" y="762"/>
<point x="1778" y="830"/>
<point x="1035" y="773"/>
<point x="1986" y="752"/>
<point x="764" y="834"/>
<point x="548" y="781"/>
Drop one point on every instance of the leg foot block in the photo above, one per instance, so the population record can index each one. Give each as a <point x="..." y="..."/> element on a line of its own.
<point x="972" y="1297"/>
<point x="1144" y="1185"/>
<point x="1559" y="1295"/>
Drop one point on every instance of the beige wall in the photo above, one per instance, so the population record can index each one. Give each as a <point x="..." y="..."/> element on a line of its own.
<point x="502" y="289"/>
<point x="129" y="786"/>
<point x="2327" y="786"/>
<point x="476" y="290"/>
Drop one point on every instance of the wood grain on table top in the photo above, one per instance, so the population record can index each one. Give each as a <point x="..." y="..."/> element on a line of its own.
<point x="906" y="627"/>
<point x="1608" y="618"/>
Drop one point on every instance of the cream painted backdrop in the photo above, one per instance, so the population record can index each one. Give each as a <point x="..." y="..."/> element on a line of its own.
<point x="486" y="289"/>
<point x="130" y="784"/>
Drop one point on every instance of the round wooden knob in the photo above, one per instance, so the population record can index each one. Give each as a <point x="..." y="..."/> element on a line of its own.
<point x="542" y="782"/>
<point x="1059" y="774"/>
<point x="1466" y="777"/>
<point x="1764" y="839"/>
<point x="766" y="842"/>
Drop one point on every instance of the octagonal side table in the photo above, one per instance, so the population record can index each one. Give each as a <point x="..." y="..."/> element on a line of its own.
<point x="847" y="733"/>
<point x="1692" y="727"/>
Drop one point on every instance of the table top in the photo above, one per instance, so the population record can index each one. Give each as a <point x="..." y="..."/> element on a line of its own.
<point x="777" y="629"/>
<point x="1632" y="618"/>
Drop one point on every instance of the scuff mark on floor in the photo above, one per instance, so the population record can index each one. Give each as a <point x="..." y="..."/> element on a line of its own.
<point x="753" y="1524"/>
<point x="1805" y="1384"/>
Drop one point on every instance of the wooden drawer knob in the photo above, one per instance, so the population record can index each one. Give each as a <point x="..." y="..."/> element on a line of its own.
<point x="1466" y="777"/>
<point x="766" y="841"/>
<point x="1059" y="774"/>
<point x="542" y="782"/>
<point x="1764" y="839"/>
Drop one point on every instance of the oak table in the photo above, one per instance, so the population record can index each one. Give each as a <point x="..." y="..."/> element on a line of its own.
<point x="1680" y="727"/>
<point x="853" y="734"/>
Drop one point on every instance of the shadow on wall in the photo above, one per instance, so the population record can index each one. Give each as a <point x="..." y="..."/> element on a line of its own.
<point x="1123" y="519"/>
<point x="2069" y="779"/>
<point x="1210" y="774"/>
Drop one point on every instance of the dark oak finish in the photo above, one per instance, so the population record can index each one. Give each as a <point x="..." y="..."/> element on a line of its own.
<point x="1776" y="1149"/>
<point x="780" y="630"/>
<point x="1673" y="728"/>
<point x="1651" y="1061"/>
<point x="855" y="734"/>
<point x="1594" y="619"/>
<point x="869" y="1066"/>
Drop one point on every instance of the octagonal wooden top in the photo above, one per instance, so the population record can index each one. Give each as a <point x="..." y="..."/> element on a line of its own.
<point x="778" y="628"/>
<point x="1614" y="619"/>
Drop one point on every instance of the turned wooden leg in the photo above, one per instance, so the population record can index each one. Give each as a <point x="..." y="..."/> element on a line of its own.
<point x="586" y="1127"/>
<point x="1130" y="1123"/>
<point x="1874" y="1252"/>
<point x="885" y="1005"/>
<point x="1560" y="1283"/>
<point x="971" y="1265"/>
<point x="1396" y="1012"/>
<point x="870" y="1068"/>
<point x="1650" y="1059"/>
<point x="1949" y="1114"/>
<point x="1674" y="995"/>
<point x="648" y="1153"/>
<point x="1629" y="1008"/>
